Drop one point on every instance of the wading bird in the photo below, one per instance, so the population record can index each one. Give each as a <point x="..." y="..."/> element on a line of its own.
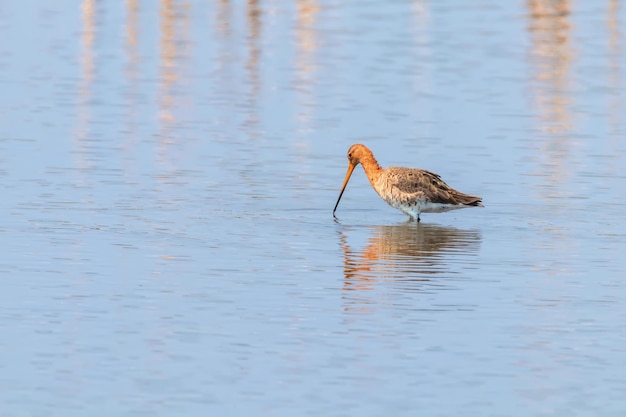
<point x="410" y="190"/>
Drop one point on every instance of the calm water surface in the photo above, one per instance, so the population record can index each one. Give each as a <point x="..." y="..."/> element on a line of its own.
<point x="168" y="171"/>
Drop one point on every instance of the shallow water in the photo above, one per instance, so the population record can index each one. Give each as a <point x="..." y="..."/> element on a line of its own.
<point x="168" y="173"/>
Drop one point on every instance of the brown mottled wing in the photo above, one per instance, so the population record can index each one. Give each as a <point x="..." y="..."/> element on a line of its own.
<point x="421" y="184"/>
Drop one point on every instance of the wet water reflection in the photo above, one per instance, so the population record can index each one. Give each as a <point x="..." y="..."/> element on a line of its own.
<point x="254" y="17"/>
<point x="85" y="87"/>
<point x="552" y="55"/>
<point x="407" y="257"/>
<point x="616" y="61"/>
<point x="561" y="79"/>
<point x="132" y="72"/>
<point x="307" y="44"/>
<point x="173" y="53"/>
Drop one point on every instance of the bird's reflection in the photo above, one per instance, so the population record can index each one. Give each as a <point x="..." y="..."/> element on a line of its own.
<point x="413" y="252"/>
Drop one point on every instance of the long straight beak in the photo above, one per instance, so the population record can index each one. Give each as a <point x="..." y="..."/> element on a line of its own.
<point x="343" y="187"/>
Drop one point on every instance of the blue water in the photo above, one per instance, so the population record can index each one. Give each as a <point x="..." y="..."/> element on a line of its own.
<point x="168" y="172"/>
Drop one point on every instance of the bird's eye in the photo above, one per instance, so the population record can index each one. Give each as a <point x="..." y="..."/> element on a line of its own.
<point x="350" y="155"/>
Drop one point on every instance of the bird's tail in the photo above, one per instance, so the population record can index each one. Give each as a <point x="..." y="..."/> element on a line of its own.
<point x="470" y="200"/>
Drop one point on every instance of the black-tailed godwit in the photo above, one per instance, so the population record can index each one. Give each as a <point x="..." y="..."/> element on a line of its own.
<point x="410" y="190"/>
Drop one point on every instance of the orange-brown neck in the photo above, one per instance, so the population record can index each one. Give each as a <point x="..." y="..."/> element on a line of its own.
<point x="372" y="169"/>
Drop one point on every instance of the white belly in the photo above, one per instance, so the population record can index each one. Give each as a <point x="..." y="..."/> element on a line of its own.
<point x="422" y="206"/>
<point x="438" y="207"/>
